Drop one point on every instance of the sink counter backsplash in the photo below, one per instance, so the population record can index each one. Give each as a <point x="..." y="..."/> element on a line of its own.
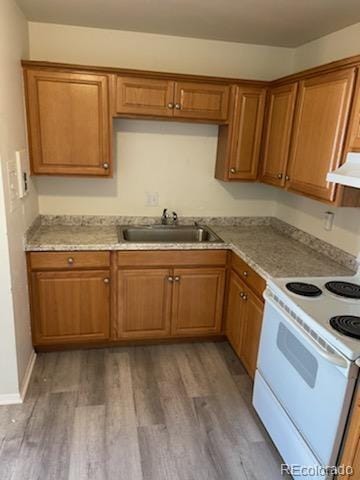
<point x="270" y="246"/>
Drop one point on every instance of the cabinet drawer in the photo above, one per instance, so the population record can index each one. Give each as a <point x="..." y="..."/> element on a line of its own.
<point x="171" y="258"/>
<point x="61" y="260"/>
<point x="253" y="279"/>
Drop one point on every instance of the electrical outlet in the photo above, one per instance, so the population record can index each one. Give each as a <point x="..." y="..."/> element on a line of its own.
<point x="152" y="199"/>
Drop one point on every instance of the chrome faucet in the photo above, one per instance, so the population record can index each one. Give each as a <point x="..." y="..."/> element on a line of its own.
<point x="167" y="219"/>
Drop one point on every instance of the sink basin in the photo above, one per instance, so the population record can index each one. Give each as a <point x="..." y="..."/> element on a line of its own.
<point x="168" y="234"/>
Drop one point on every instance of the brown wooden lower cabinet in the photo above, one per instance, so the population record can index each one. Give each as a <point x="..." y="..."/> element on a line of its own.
<point x="197" y="301"/>
<point x="351" y="452"/>
<point x="158" y="302"/>
<point x="70" y="306"/>
<point x="243" y="321"/>
<point x="87" y="298"/>
<point x="144" y="303"/>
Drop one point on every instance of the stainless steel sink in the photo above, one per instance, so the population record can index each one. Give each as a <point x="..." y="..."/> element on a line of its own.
<point x="167" y="234"/>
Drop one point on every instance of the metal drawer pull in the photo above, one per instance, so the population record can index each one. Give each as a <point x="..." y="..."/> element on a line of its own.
<point x="106" y="280"/>
<point x="177" y="106"/>
<point x="170" y="279"/>
<point x="177" y="279"/>
<point x="70" y="260"/>
<point x="170" y="105"/>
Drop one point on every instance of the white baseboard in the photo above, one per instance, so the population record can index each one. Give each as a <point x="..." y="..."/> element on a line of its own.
<point x="26" y="379"/>
<point x="10" y="399"/>
<point x="13" y="398"/>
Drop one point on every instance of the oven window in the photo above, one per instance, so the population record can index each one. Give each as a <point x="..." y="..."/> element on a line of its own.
<point x="300" y="358"/>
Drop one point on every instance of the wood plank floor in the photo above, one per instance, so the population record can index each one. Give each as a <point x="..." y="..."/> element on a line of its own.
<point x="175" y="412"/>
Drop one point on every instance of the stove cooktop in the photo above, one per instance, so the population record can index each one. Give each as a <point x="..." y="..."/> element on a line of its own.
<point x="317" y="311"/>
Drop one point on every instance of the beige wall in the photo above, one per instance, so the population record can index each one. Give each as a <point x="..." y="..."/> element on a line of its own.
<point x="14" y="313"/>
<point x="96" y="46"/>
<point x="156" y="156"/>
<point x="308" y="214"/>
<point x="337" y="45"/>
<point x="177" y="160"/>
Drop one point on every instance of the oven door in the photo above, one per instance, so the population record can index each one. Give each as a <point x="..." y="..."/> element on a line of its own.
<point x="312" y="382"/>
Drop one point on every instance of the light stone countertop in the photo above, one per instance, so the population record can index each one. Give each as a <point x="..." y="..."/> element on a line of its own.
<point x="267" y="250"/>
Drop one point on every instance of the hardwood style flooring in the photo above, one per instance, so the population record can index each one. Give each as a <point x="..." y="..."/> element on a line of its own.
<point x="175" y="412"/>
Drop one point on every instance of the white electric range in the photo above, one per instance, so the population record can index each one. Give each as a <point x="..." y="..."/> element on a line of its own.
<point x="307" y="368"/>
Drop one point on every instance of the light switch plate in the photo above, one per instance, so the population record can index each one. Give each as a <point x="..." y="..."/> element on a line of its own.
<point x="22" y="170"/>
<point x="13" y="184"/>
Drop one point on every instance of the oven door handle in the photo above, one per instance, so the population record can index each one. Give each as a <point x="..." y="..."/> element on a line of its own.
<point x="330" y="357"/>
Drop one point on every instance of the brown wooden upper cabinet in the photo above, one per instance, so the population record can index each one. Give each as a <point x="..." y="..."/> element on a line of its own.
<point x="144" y="96"/>
<point x="162" y="98"/>
<point x="68" y="122"/>
<point x="354" y="137"/>
<point x="239" y="142"/>
<point x="277" y="135"/>
<point x="321" y="119"/>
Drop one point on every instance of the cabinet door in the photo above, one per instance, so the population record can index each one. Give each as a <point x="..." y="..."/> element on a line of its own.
<point x="197" y="301"/>
<point x="69" y="123"/>
<point x="142" y="96"/>
<point x="278" y="125"/>
<point x="201" y="101"/>
<point x="351" y="449"/>
<point x="235" y="312"/>
<point x="144" y="303"/>
<point x="246" y="133"/>
<point x="70" y="307"/>
<point x="354" y="140"/>
<point x="319" y="129"/>
<point x="250" y="337"/>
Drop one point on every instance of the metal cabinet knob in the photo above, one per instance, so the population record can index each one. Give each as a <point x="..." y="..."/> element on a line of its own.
<point x="171" y="105"/>
<point x="244" y="297"/>
<point x="70" y="260"/>
<point x="106" y="280"/>
<point x="106" y="166"/>
<point x="177" y="106"/>
<point x="177" y="279"/>
<point x="232" y="170"/>
<point x="245" y="273"/>
<point x="287" y="177"/>
<point x="170" y="279"/>
<point x="241" y="294"/>
<point x="280" y="175"/>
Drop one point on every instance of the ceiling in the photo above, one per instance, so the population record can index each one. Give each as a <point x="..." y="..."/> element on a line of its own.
<point x="287" y="23"/>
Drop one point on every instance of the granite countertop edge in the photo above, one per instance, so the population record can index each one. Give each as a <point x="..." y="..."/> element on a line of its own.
<point x="266" y="269"/>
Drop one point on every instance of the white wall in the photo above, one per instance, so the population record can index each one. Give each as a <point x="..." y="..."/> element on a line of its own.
<point x="177" y="160"/>
<point x="157" y="156"/>
<point x="305" y="213"/>
<point x="14" y="319"/>
<point x="337" y="45"/>
<point x="96" y="46"/>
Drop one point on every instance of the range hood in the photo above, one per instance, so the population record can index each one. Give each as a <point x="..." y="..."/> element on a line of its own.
<point x="349" y="173"/>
